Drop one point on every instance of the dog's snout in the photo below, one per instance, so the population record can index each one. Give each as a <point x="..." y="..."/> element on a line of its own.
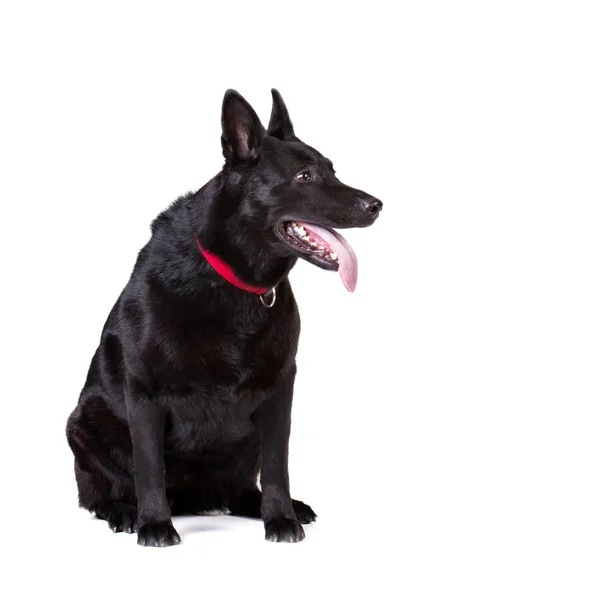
<point x="372" y="205"/>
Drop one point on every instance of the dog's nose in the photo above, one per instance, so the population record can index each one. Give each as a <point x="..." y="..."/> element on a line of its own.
<point x="372" y="205"/>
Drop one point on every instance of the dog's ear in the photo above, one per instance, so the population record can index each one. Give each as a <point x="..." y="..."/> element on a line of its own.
<point x="280" y="125"/>
<point x="242" y="131"/>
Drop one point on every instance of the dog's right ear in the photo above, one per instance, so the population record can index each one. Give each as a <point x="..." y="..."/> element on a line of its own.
<point x="242" y="131"/>
<point x="280" y="126"/>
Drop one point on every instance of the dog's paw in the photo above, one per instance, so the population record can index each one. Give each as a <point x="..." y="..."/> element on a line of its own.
<point x="158" y="534"/>
<point x="123" y="517"/>
<point x="281" y="529"/>
<point x="304" y="513"/>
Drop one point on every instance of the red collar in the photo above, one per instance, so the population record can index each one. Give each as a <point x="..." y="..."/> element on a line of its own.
<point x="225" y="270"/>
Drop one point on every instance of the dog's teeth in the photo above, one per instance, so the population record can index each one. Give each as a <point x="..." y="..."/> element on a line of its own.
<point x="333" y="255"/>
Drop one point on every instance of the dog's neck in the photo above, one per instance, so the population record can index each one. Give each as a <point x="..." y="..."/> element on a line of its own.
<point x="228" y="234"/>
<point x="227" y="272"/>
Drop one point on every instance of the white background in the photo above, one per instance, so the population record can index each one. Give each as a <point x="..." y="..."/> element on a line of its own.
<point x="442" y="421"/>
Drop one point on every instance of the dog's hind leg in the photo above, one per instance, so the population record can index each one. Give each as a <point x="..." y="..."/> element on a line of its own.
<point x="247" y="503"/>
<point x="104" y="487"/>
<point x="95" y="494"/>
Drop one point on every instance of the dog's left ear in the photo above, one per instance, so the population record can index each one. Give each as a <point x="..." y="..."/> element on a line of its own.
<point x="280" y="125"/>
<point x="242" y="131"/>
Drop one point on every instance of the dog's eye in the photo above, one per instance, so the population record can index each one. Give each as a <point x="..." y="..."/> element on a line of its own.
<point x="304" y="176"/>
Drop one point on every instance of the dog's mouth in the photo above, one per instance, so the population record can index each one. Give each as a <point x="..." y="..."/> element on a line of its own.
<point x="323" y="247"/>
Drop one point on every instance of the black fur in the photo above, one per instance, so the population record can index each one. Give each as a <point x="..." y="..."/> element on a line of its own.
<point x="189" y="394"/>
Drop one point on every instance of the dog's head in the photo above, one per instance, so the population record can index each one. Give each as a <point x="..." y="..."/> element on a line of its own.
<point x="289" y="191"/>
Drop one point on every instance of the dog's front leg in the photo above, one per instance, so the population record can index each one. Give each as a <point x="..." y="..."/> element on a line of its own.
<point x="146" y="421"/>
<point x="272" y="419"/>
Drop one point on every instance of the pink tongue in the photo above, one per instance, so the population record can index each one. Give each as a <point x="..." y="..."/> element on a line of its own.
<point x="348" y="263"/>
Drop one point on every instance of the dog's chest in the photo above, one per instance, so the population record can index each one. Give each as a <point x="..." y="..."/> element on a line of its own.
<point x="216" y="403"/>
<point x="235" y="351"/>
<point x="238" y="361"/>
<point x="216" y="378"/>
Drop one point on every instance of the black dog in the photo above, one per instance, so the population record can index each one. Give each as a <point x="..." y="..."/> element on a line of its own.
<point x="189" y="394"/>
